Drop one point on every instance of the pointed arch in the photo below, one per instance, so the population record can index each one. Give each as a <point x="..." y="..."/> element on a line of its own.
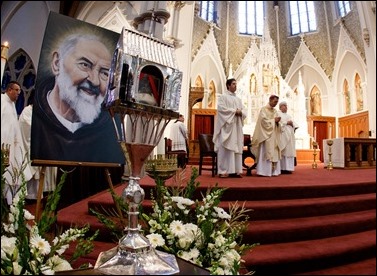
<point x="199" y="82"/>
<point x="20" y="68"/>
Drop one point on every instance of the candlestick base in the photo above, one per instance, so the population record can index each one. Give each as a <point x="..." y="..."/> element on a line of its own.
<point x="314" y="164"/>
<point x="145" y="262"/>
<point x="330" y="165"/>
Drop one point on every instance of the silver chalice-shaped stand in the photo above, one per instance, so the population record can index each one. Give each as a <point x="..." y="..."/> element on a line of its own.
<point x="143" y="96"/>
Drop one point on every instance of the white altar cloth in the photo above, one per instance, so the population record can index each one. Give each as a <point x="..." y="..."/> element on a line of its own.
<point x="337" y="150"/>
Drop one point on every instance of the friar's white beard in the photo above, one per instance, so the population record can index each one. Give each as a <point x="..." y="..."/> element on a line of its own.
<point x="87" y="107"/>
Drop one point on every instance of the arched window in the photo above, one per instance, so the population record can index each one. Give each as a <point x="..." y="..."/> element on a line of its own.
<point x="302" y="16"/>
<point x="20" y="68"/>
<point x="251" y="17"/>
<point x="208" y="11"/>
<point x="344" y="8"/>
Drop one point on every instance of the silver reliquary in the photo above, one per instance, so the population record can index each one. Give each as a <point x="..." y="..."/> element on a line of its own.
<point x="144" y="74"/>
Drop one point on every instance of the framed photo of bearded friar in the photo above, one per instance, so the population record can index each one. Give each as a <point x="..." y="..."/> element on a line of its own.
<point x="70" y="124"/>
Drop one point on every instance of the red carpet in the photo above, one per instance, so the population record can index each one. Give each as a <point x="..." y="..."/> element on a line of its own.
<point x="311" y="222"/>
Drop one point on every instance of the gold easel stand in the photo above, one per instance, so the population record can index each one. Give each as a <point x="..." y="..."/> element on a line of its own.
<point x="330" y="165"/>
<point x="315" y="146"/>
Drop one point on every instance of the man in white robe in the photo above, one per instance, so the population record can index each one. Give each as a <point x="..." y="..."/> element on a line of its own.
<point x="49" y="173"/>
<point x="17" y="170"/>
<point x="228" y="132"/>
<point x="178" y="135"/>
<point x="287" y="139"/>
<point x="266" y="138"/>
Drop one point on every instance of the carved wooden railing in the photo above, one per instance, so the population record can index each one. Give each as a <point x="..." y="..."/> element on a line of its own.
<point x="359" y="152"/>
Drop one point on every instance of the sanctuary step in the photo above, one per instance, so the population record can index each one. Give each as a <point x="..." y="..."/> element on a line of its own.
<point x="314" y="221"/>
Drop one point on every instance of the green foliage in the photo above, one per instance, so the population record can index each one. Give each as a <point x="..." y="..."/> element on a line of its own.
<point x="33" y="247"/>
<point x="189" y="224"/>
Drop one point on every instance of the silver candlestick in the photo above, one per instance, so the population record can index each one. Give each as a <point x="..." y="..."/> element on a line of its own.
<point x="134" y="254"/>
<point x="140" y="115"/>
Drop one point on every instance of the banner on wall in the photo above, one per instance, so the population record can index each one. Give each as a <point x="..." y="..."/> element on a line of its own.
<point x="70" y="125"/>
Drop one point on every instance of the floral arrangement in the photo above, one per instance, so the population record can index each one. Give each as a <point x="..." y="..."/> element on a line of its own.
<point x="30" y="247"/>
<point x="197" y="230"/>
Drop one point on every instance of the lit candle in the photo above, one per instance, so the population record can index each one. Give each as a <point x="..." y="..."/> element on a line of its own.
<point x="4" y="57"/>
<point x="4" y="50"/>
<point x="315" y="134"/>
<point x="330" y="131"/>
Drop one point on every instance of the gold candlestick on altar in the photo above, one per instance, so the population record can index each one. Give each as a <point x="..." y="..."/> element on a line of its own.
<point x="315" y="146"/>
<point x="5" y="151"/>
<point x="330" y="165"/>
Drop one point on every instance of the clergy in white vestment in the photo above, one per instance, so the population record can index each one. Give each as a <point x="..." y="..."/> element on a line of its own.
<point x="228" y="132"/>
<point x="50" y="173"/>
<point x="178" y="136"/>
<point x="17" y="170"/>
<point x="287" y="139"/>
<point x="265" y="143"/>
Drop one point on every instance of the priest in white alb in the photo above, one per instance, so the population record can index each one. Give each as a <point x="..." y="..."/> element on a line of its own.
<point x="287" y="139"/>
<point x="228" y="132"/>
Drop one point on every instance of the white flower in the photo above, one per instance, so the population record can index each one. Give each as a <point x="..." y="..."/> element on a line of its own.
<point x="17" y="268"/>
<point x="28" y="215"/>
<point x="24" y="250"/>
<point x="198" y="231"/>
<point x="224" y="262"/>
<point x="58" y="264"/>
<point x="184" y="255"/>
<point x="177" y="228"/>
<point x="156" y="240"/>
<point x="233" y="255"/>
<point x="40" y="244"/>
<point x="8" y="245"/>
<point x="220" y="240"/>
<point x="192" y="232"/>
<point x="194" y="253"/>
<point x="182" y="202"/>
<point x="221" y="213"/>
<point x="219" y="271"/>
<point x="184" y="242"/>
<point x="47" y="270"/>
<point x="153" y="223"/>
<point x="62" y="249"/>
